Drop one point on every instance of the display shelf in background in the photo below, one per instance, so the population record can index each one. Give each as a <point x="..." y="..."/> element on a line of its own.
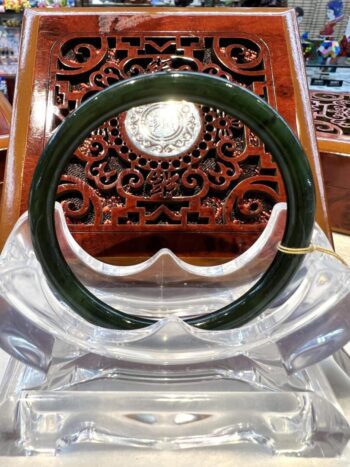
<point x="10" y="31"/>
<point x="315" y="16"/>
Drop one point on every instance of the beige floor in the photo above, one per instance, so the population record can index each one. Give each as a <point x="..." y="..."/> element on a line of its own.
<point x="342" y="246"/>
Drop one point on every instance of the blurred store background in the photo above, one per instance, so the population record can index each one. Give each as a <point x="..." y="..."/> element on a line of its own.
<point x="324" y="30"/>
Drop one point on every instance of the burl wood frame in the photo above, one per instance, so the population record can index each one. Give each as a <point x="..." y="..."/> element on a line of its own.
<point x="216" y="198"/>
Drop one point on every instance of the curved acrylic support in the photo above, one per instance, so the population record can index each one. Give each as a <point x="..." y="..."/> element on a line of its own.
<point x="306" y="324"/>
<point x="164" y="285"/>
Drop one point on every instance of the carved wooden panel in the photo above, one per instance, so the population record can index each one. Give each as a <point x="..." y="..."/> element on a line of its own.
<point x="331" y="111"/>
<point x="224" y="180"/>
<point x="210" y="197"/>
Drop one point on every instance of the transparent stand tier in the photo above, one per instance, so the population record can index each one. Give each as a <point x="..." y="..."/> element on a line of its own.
<point x="95" y="402"/>
<point x="73" y="385"/>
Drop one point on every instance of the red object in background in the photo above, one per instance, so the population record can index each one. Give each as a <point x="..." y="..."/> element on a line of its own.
<point x="344" y="47"/>
<point x="328" y="30"/>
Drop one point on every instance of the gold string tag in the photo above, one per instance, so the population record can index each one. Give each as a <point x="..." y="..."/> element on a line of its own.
<point x="309" y="249"/>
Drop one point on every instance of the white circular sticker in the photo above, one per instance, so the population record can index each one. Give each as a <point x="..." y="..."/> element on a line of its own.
<point x="163" y="128"/>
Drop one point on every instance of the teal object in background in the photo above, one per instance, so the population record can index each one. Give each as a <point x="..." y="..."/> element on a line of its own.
<point x="253" y="111"/>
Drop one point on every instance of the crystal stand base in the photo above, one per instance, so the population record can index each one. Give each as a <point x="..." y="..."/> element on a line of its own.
<point x="223" y="405"/>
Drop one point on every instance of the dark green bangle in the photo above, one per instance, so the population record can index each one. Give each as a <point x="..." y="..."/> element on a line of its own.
<point x="201" y="89"/>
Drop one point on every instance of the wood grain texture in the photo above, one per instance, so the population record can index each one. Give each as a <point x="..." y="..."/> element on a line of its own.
<point x="336" y="169"/>
<point x="98" y="47"/>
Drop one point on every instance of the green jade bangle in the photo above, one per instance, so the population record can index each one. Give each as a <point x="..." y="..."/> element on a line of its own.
<point x="253" y="111"/>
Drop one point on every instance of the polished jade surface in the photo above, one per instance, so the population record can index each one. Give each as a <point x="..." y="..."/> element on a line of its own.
<point x="203" y="89"/>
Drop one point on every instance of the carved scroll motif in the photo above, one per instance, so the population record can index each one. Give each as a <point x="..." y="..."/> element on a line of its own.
<point x="331" y="112"/>
<point x="226" y="178"/>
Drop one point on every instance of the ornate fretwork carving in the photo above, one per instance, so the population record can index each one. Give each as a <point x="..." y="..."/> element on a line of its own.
<point x="221" y="178"/>
<point x="331" y="112"/>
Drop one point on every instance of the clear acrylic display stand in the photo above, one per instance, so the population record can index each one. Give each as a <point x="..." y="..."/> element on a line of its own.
<point x="342" y="357"/>
<point x="72" y="385"/>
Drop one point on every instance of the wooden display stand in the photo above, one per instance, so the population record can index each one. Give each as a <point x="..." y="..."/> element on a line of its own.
<point x="212" y="199"/>
<point x="331" y="112"/>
